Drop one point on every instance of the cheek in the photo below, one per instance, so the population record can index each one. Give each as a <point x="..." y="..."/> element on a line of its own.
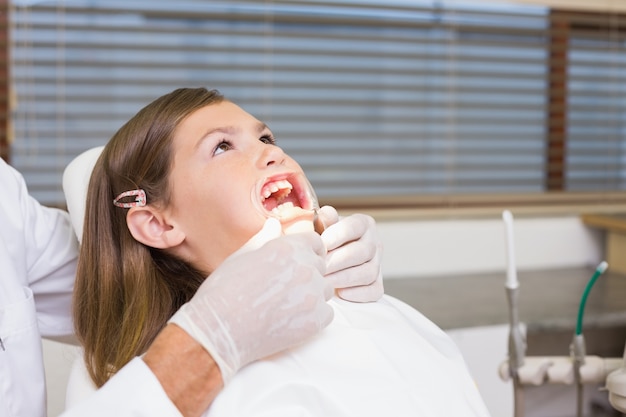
<point x="228" y="234"/>
<point x="235" y="219"/>
<point x="220" y="215"/>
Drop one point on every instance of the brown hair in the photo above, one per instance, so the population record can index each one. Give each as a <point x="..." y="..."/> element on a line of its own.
<point x="125" y="291"/>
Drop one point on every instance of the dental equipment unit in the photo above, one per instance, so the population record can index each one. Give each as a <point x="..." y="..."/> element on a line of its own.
<point x="576" y="369"/>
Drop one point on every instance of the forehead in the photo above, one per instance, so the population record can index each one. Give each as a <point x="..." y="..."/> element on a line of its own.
<point x="220" y="120"/>
<point x="218" y="115"/>
<point x="201" y="128"/>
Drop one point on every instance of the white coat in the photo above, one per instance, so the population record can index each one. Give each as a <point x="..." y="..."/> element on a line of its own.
<point x="38" y="253"/>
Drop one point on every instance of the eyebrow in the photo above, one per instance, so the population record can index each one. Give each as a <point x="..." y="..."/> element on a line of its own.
<point x="227" y="130"/>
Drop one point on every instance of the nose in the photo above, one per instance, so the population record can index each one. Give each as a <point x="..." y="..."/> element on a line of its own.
<point x="271" y="155"/>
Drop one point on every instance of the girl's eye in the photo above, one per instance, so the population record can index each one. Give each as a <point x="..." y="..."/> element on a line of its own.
<point x="268" y="139"/>
<point x="223" y="146"/>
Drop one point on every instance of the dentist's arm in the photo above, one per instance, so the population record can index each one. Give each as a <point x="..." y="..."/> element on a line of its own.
<point x="185" y="370"/>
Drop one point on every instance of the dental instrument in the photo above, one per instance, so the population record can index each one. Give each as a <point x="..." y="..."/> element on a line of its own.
<point x="517" y="343"/>
<point x="318" y="223"/>
<point x="577" y="348"/>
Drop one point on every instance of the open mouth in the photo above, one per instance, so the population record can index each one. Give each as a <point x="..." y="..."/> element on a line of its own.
<point x="287" y="197"/>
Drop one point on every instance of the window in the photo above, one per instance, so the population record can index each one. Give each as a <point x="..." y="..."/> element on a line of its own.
<point x="383" y="103"/>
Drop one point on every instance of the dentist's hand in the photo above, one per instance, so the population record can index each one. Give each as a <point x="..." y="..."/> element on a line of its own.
<point x="353" y="263"/>
<point x="268" y="296"/>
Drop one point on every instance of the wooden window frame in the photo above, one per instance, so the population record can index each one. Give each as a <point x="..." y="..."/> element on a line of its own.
<point x="561" y="25"/>
<point x="4" y="80"/>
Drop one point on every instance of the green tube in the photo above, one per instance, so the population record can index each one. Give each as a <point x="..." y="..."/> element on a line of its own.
<point x="581" y="309"/>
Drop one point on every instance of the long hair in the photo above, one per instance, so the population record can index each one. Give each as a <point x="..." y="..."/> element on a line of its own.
<point x="125" y="291"/>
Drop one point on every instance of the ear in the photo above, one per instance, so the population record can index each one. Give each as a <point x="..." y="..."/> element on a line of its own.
<point x="151" y="228"/>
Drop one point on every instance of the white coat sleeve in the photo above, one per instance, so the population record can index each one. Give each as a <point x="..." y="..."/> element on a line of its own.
<point x="51" y="261"/>
<point x="38" y="253"/>
<point x="133" y="391"/>
<point x="44" y="252"/>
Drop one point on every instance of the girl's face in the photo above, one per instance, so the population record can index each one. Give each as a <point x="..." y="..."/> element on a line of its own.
<point x="227" y="174"/>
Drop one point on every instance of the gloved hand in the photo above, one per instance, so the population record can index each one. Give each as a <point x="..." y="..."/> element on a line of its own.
<point x="353" y="263"/>
<point x="268" y="296"/>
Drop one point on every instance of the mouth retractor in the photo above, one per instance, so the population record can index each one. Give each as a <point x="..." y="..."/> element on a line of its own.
<point x="290" y="199"/>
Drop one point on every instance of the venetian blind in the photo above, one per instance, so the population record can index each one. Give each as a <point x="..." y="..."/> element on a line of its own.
<point x="374" y="99"/>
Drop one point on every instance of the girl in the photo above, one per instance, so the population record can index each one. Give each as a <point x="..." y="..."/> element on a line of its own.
<point x="179" y="189"/>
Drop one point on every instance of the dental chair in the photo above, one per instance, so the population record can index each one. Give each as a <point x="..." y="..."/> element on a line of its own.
<point x="75" y="183"/>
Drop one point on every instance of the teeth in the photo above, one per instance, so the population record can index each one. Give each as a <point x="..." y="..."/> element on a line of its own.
<point x="283" y="207"/>
<point x="273" y="187"/>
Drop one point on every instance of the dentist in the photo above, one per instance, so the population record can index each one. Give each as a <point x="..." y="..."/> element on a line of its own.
<point x="176" y="376"/>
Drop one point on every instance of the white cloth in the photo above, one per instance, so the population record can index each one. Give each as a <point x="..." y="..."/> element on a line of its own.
<point x="37" y="264"/>
<point x="133" y="391"/>
<point x="374" y="359"/>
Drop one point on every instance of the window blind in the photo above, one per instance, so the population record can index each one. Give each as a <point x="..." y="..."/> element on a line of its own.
<point x="376" y="100"/>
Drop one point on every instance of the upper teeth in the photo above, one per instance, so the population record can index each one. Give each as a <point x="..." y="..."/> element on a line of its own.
<point x="269" y="189"/>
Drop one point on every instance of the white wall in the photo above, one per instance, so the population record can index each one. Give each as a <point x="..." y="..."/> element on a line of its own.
<point x="448" y="247"/>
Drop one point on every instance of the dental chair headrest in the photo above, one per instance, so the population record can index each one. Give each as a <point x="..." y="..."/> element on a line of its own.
<point x="75" y="183"/>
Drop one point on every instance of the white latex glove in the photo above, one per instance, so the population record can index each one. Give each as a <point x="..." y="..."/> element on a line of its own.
<point x="268" y="296"/>
<point x="353" y="263"/>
